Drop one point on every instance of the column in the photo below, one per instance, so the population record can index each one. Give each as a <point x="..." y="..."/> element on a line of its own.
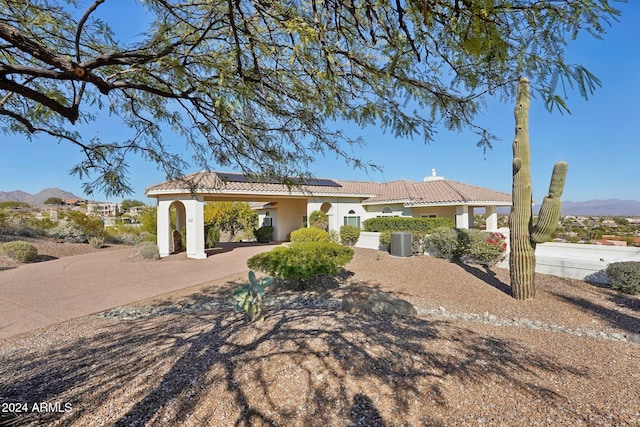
<point x="163" y="231"/>
<point x="492" y="218"/>
<point x="462" y="217"/>
<point x="195" y="228"/>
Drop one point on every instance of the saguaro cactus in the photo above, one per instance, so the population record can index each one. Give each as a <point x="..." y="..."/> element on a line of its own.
<point x="524" y="235"/>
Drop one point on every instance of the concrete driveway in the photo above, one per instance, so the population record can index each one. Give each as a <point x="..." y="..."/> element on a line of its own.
<point x="45" y="293"/>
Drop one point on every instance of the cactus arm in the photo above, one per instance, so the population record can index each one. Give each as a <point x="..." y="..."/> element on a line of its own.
<point x="551" y="206"/>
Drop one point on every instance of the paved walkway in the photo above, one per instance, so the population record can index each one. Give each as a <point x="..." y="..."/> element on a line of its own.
<point x="45" y="293"/>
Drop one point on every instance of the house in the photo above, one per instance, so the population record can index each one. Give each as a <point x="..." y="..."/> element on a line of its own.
<point x="286" y="208"/>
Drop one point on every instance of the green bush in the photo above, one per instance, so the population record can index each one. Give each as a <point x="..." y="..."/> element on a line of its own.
<point x="625" y="276"/>
<point x="148" y="250"/>
<point x="481" y="247"/>
<point x="318" y="219"/>
<point x="443" y="243"/>
<point x="303" y="261"/>
<point x="310" y="234"/>
<point x="349" y="234"/>
<point x="90" y="225"/>
<point x="423" y="225"/>
<point x="212" y="236"/>
<point x="469" y="246"/>
<point x="263" y="234"/>
<point x="20" y="251"/>
<point x="385" y="239"/>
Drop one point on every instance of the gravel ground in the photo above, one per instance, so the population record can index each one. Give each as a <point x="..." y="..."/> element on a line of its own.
<point x="473" y="356"/>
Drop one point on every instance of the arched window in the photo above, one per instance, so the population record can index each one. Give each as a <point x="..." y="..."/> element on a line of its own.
<point x="352" y="219"/>
<point x="386" y="210"/>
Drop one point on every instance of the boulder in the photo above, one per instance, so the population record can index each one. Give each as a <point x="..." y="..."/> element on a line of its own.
<point x="372" y="301"/>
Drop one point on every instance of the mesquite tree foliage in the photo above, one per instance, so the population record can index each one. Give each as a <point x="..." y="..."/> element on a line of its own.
<point x="258" y="84"/>
<point x="524" y="235"/>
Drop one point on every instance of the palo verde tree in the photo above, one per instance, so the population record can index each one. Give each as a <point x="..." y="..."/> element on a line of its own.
<point x="231" y="217"/>
<point x="256" y="84"/>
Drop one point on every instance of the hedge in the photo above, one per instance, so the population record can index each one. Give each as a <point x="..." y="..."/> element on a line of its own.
<point x="423" y="225"/>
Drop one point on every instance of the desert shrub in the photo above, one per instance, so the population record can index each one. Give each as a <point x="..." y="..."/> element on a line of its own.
<point x="443" y="243"/>
<point x="310" y="234"/>
<point x="212" y="237"/>
<point x="148" y="250"/>
<point x="385" y="239"/>
<point x="625" y="276"/>
<point x="481" y="247"/>
<point x="263" y="234"/>
<point x="418" y="242"/>
<point x="20" y="251"/>
<point x="469" y="246"/>
<point x="303" y="261"/>
<point x="90" y="226"/>
<point x="318" y="219"/>
<point x="96" y="242"/>
<point x="334" y="236"/>
<point x="410" y="225"/>
<point x="349" y="234"/>
<point x="69" y="232"/>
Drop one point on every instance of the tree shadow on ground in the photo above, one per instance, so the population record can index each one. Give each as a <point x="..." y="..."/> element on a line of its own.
<point x="292" y="369"/>
<point x="486" y="275"/>
<point x="614" y="318"/>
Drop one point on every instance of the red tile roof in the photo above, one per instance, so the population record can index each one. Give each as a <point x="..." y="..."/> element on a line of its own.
<point x="410" y="193"/>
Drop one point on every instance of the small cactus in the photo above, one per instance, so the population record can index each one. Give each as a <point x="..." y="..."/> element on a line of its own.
<point x="249" y="297"/>
<point x="524" y="235"/>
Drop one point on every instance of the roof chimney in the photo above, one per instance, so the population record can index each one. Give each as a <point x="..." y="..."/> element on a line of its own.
<point x="433" y="177"/>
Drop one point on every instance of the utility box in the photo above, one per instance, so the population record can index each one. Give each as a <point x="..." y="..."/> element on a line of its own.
<point x="401" y="244"/>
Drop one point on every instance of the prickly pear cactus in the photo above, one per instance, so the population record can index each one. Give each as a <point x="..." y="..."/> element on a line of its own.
<point x="524" y="235"/>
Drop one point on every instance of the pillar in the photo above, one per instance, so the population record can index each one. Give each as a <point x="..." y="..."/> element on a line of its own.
<point x="462" y="217"/>
<point x="492" y="218"/>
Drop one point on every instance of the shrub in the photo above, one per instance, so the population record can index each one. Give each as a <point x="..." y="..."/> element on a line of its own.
<point x="625" y="276"/>
<point x="481" y="247"/>
<point x="69" y="232"/>
<point x="263" y="234"/>
<point x="443" y="243"/>
<point x="318" y="219"/>
<point x="473" y="246"/>
<point x="90" y="226"/>
<point x="310" y="234"/>
<point x="349" y="234"/>
<point x="334" y="236"/>
<point x="302" y="261"/>
<point x="20" y="251"/>
<point x="148" y="250"/>
<point x="423" y="225"/>
<point x="96" y="242"/>
<point x="212" y="236"/>
<point x="385" y="239"/>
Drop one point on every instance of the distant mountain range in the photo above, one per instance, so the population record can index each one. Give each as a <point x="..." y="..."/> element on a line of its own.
<point x="36" y="199"/>
<point x="609" y="207"/>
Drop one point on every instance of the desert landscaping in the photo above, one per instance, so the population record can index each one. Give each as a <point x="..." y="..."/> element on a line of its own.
<point x="472" y="356"/>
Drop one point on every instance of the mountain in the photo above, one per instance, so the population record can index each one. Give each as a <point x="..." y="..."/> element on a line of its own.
<point x="35" y="199"/>
<point x="608" y="207"/>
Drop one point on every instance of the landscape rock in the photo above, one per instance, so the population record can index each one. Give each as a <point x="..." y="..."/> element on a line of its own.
<point x="372" y="301"/>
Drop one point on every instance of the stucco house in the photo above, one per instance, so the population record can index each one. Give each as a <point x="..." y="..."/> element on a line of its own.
<point x="344" y="202"/>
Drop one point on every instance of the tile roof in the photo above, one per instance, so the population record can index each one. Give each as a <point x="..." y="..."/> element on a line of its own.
<point x="410" y="193"/>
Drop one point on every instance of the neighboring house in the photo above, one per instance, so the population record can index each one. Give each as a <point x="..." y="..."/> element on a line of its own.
<point x="104" y="209"/>
<point x="75" y="202"/>
<point x="344" y="202"/>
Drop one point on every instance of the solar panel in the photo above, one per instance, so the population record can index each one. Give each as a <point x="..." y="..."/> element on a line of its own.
<point x="238" y="177"/>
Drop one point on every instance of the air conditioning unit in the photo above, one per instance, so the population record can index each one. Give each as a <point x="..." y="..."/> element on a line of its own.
<point x="401" y="244"/>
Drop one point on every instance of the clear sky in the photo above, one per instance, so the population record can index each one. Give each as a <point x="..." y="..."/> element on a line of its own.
<point x="600" y="139"/>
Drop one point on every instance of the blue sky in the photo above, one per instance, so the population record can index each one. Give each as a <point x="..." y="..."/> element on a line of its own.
<point x="600" y="139"/>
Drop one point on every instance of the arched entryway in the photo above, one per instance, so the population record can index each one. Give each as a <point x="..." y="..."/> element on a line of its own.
<point x="189" y="218"/>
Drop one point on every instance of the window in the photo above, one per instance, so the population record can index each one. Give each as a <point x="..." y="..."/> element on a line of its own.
<point x="386" y="210"/>
<point x="352" y="219"/>
<point x="267" y="221"/>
